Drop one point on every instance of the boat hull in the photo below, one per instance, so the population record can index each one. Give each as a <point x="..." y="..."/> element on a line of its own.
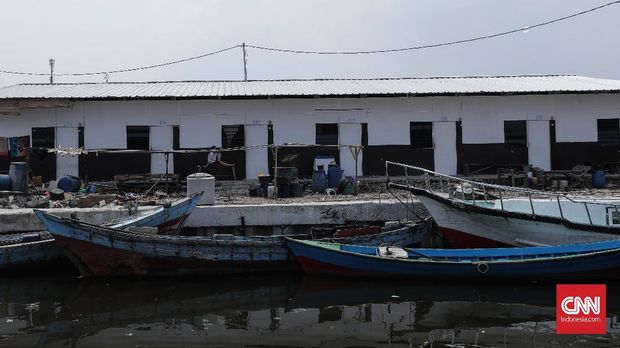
<point x="101" y="251"/>
<point x="45" y="255"/>
<point x="104" y="261"/>
<point x="463" y="228"/>
<point x="411" y="236"/>
<point x="34" y="257"/>
<point x="328" y="261"/>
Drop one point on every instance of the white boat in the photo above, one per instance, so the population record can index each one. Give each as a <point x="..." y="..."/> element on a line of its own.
<point x="478" y="215"/>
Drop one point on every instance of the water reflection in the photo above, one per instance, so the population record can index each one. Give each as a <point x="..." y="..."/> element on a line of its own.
<point x="283" y="311"/>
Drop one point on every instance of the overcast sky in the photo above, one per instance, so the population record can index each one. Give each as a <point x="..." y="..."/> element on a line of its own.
<point x="99" y="35"/>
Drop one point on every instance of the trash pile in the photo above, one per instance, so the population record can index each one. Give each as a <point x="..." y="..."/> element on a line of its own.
<point x="70" y="192"/>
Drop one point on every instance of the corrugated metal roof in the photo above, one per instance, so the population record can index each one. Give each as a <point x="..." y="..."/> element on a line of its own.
<point x="526" y="84"/>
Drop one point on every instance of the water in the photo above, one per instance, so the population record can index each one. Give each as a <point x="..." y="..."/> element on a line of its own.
<point x="283" y="311"/>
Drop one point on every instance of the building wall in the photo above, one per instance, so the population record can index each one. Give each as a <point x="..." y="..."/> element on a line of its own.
<point x="477" y="120"/>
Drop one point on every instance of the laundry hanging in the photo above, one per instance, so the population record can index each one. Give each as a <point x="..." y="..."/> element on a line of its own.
<point x="18" y="146"/>
<point x="4" y="147"/>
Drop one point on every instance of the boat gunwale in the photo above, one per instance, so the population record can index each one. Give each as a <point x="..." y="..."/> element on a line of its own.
<point x="509" y="214"/>
<point x="137" y="237"/>
<point x="428" y="260"/>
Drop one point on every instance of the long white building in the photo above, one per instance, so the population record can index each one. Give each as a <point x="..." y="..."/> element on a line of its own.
<point x="446" y="124"/>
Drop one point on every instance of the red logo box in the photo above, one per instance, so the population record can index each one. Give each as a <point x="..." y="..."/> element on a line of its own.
<point x="581" y="308"/>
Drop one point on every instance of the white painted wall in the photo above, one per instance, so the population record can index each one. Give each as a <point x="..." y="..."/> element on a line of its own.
<point x="538" y="144"/>
<point x="575" y="115"/>
<point x="350" y="134"/>
<point x="444" y="139"/>
<point x="161" y="139"/>
<point x="256" y="160"/>
<point x="67" y="165"/>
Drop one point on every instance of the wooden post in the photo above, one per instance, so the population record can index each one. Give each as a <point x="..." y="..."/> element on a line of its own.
<point x="166" y="156"/>
<point x="275" y="173"/>
<point x="355" y="152"/>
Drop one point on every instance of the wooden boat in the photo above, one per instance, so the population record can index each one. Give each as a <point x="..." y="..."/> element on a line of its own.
<point x="478" y="215"/>
<point x="409" y="234"/>
<point x="104" y="251"/>
<point x="588" y="260"/>
<point x="36" y="251"/>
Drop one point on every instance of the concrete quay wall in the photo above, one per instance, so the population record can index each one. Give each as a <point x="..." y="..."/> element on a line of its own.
<point x="216" y="216"/>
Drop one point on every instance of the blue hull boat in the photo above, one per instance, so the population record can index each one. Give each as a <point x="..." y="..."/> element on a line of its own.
<point x="36" y="251"/>
<point x="599" y="260"/>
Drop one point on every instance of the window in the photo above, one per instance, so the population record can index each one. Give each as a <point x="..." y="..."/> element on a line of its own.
<point x="608" y="131"/>
<point x="327" y="133"/>
<point x="233" y="136"/>
<point x="515" y="133"/>
<point x="421" y="135"/>
<point x="44" y="137"/>
<point x="138" y="138"/>
<point x="612" y="217"/>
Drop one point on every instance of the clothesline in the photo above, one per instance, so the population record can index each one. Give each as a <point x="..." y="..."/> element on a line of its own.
<point x="75" y="151"/>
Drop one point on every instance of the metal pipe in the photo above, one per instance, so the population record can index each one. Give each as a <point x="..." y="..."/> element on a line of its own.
<point x="588" y="211"/>
<point x="529" y="195"/>
<point x="560" y="206"/>
<point x="501" y="202"/>
<point x="617" y="214"/>
<point x="473" y="194"/>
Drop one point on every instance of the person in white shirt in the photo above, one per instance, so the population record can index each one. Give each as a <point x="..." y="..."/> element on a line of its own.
<point x="215" y="159"/>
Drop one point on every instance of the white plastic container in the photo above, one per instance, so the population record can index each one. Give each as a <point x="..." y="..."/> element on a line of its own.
<point x="202" y="182"/>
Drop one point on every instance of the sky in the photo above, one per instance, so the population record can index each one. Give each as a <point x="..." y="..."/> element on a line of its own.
<point x="101" y="35"/>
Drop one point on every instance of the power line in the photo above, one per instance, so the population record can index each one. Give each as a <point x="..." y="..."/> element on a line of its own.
<point x="125" y="70"/>
<point x="449" y="43"/>
<point x="284" y="50"/>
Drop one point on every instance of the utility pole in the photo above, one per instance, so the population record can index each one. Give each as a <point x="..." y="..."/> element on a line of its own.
<point x="245" y="63"/>
<point x="52" y="61"/>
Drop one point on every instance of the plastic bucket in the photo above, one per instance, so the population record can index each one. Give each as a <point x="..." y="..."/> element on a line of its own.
<point x="18" y="171"/>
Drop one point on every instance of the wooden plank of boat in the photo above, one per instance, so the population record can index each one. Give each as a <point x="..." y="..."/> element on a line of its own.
<point x="586" y="260"/>
<point x="30" y="252"/>
<point x="36" y="251"/>
<point x="103" y="251"/>
<point x="410" y="235"/>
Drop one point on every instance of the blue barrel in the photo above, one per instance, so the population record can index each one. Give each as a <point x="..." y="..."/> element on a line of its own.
<point x="69" y="183"/>
<point x="319" y="181"/>
<point x="334" y="175"/>
<point x="5" y="182"/>
<point x="18" y="171"/>
<point x="598" y="179"/>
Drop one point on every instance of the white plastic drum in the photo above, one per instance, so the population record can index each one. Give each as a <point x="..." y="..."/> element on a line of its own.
<point x="202" y="182"/>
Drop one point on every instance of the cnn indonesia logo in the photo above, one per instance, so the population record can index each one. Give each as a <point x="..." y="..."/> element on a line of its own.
<point x="581" y="309"/>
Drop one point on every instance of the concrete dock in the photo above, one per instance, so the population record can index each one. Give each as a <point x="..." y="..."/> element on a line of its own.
<point x="265" y="218"/>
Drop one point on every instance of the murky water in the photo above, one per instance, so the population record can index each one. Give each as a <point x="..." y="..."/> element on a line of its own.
<point x="284" y="311"/>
